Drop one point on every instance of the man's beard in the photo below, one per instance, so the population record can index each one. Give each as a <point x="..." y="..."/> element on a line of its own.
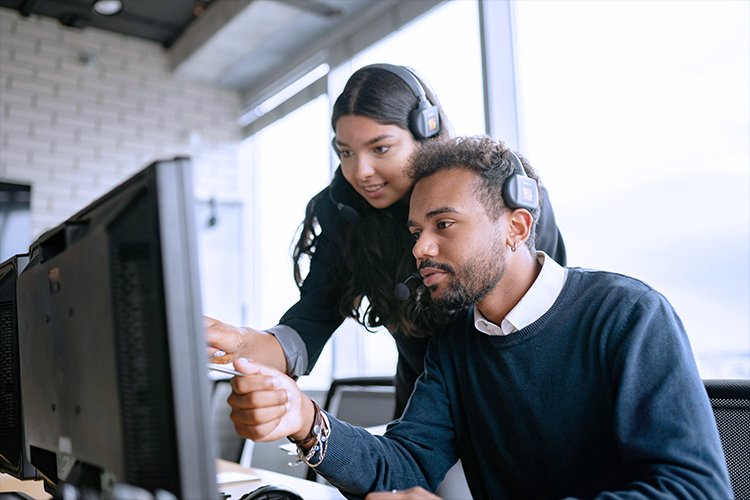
<point x="470" y="282"/>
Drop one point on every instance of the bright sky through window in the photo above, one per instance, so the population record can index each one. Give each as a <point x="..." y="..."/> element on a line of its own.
<point x="637" y="115"/>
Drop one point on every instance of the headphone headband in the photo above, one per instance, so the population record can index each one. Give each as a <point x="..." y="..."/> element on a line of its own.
<point x="404" y="74"/>
<point x="425" y="119"/>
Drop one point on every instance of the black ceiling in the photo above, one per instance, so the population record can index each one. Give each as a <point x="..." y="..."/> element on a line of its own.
<point x="158" y="20"/>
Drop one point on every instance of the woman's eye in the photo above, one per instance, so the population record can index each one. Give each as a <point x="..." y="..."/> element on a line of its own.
<point x="346" y="154"/>
<point x="415" y="235"/>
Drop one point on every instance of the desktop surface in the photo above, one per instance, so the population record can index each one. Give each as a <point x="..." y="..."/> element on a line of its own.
<point x="308" y="490"/>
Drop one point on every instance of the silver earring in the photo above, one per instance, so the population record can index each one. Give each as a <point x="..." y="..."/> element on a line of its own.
<point x="513" y="248"/>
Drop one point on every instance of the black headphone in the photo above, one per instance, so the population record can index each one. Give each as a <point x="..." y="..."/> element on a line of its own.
<point x="425" y="119"/>
<point x="424" y="122"/>
<point x="520" y="190"/>
<point x="347" y="212"/>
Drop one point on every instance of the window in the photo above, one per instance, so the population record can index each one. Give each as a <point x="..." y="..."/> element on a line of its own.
<point x="637" y="116"/>
<point x="286" y="164"/>
<point x="443" y="47"/>
<point x="15" y="219"/>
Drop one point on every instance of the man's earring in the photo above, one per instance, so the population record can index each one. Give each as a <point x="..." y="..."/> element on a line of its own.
<point x="513" y="248"/>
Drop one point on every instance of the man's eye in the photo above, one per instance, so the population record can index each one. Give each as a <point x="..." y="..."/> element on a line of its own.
<point x="415" y="235"/>
<point x="444" y="224"/>
<point x="382" y="149"/>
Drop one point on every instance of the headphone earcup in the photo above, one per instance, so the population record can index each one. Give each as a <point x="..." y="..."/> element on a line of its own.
<point x="520" y="190"/>
<point x="425" y="120"/>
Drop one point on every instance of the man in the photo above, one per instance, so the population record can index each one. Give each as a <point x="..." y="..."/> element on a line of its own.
<point x="557" y="383"/>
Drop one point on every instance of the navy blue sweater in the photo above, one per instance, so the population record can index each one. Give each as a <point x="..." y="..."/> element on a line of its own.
<point x="599" y="398"/>
<point x="316" y="315"/>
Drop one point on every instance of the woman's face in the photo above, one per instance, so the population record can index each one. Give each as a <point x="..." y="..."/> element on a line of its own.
<point x="374" y="158"/>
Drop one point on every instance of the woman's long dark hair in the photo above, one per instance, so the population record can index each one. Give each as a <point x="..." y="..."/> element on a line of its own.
<point x="375" y="254"/>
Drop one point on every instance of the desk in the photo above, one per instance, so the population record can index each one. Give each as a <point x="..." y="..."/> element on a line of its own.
<point x="309" y="490"/>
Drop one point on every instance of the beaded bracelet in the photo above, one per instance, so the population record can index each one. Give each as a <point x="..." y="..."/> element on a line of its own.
<point x="314" y="430"/>
<point x="320" y="432"/>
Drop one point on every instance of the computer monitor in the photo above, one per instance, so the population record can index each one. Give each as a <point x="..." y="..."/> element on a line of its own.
<point x="112" y="349"/>
<point x="13" y="458"/>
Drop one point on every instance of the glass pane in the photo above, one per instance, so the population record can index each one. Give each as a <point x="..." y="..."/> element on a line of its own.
<point x="637" y="116"/>
<point x="15" y="219"/>
<point x="443" y="46"/>
<point x="288" y="163"/>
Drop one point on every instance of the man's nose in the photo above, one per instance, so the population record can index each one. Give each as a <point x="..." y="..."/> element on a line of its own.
<point x="425" y="247"/>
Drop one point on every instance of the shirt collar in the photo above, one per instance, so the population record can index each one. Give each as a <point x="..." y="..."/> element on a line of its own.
<point x="532" y="306"/>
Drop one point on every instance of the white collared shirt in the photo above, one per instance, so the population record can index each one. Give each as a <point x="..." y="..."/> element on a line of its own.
<point x="532" y="306"/>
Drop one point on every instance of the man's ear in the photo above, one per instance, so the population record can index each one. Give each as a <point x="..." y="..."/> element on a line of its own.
<point x="519" y="226"/>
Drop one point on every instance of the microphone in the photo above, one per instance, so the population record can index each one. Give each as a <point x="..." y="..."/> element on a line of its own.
<point x="347" y="212"/>
<point x="402" y="291"/>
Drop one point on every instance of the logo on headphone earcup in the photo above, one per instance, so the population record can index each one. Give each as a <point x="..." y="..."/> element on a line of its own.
<point x="425" y="120"/>
<point x="520" y="190"/>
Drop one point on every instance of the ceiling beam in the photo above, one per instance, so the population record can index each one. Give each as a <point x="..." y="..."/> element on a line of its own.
<point x="224" y="34"/>
<point x="379" y="19"/>
<point x="27" y="7"/>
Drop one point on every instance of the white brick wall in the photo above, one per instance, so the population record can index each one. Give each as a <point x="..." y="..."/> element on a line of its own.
<point x="74" y="131"/>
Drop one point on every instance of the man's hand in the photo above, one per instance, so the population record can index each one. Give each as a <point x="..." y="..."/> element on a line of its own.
<point x="416" y="493"/>
<point x="267" y="404"/>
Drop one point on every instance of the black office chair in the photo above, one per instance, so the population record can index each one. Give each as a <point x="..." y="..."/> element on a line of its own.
<point x="360" y="401"/>
<point x="730" y="400"/>
<point x="370" y="402"/>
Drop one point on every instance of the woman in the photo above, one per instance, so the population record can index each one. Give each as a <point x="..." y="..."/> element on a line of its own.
<point x="355" y="235"/>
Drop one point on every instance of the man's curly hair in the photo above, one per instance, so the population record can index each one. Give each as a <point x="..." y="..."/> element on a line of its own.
<point x="488" y="159"/>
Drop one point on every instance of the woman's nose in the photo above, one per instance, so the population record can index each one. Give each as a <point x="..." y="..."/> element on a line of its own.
<point x="364" y="168"/>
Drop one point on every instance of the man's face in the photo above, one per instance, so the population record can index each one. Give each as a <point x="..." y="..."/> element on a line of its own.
<point x="459" y="250"/>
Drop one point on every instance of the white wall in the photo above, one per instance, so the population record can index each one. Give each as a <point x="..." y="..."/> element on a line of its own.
<point x="73" y="131"/>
